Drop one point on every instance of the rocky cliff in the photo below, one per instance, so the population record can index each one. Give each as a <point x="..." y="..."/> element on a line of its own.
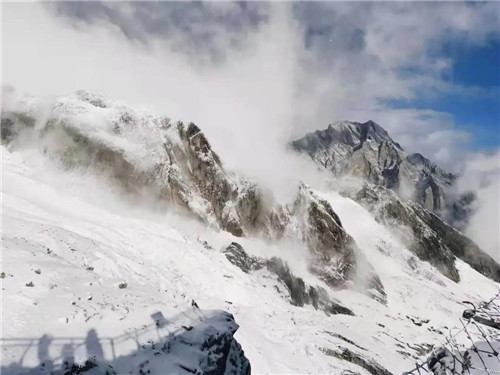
<point x="366" y="150"/>
<point x="407" y="192"/>
<point x="173" y="163"/>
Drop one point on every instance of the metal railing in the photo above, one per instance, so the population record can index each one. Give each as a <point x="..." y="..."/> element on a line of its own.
<point x="472" y="349"/>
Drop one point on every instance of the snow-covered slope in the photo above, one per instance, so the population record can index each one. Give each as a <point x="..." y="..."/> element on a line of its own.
<point x="89" y="270"/>
<point x="406" y="192"/>
<point x="172" y="164"/>
<point x="85" y="249"/>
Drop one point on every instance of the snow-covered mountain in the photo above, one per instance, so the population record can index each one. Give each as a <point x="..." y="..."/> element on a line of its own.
<point x="128" y="247"/>
<point x="407" y="192"/>
<point x="366" y="150"/>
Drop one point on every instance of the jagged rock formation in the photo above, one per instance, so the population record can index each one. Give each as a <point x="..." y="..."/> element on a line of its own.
<point x="174" y="163"/>
<point x="419" y="199"/>
<point x="206" y="346"/>
<point x="336" y="258"/>
<point x="314" y="221"/>
<point x="428" y="236"/>
<point x="366" y="150"/>
<point x="300" y="293"/>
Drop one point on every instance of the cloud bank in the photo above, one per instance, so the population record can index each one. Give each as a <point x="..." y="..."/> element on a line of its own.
<point x="255" y="75"/>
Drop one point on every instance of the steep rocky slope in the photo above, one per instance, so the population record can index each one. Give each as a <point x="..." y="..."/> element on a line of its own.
<point x="172" y="163"/>
<point x="367" y="151"/>
<point x="428" y="236"/>
<point x="406" y="192"/>
<point x="139" y="152"/>
<point x="100" y="269"/>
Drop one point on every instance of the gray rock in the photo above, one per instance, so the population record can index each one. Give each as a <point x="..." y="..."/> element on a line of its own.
<point x="175" y="164"/>
<point x="369" y="364"/>
<point x="237" y="256"/>
<point x="335" y="257"/>
<point x="366" y="150"/>
<point x="300" y="293"/>
<point x="430" y="238"/>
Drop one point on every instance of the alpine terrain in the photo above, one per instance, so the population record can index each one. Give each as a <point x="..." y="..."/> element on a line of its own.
<point x="129" y="248"/>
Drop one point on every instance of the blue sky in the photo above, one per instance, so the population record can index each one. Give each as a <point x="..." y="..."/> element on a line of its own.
<point x="428" y="72"/>
<point x="476" y="69"/>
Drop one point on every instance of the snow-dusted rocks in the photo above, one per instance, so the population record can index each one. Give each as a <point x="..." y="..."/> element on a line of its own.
<point x="174" y="164"/>
<point x="141" y="153"/>
<point x="335" y="257"/>
<point x="426" y="234"/>
<point x="300" y="294"/>
<point x="366" y="150"/>
<point x="404" y="191"/>
<point x="200" y="342"/>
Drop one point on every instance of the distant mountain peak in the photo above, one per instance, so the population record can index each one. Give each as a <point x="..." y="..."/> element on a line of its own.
<point x="367" y="151"/>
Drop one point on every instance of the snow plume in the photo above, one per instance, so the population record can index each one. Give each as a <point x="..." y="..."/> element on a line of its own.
<point x="252" y="75"/>
<point x="482" y="176"/>
<point x="244" y="104"/>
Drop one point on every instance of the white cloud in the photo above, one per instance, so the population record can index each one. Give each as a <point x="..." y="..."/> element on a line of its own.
<point x="254" y="77"/>
<point x="482" y="175"/>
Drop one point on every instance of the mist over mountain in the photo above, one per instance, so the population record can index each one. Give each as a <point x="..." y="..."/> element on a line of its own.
<point x="321" y="252"/>
<point x="177" y="200"/>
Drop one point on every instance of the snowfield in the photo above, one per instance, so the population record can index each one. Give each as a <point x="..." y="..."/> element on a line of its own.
<point x="77" y="242"/>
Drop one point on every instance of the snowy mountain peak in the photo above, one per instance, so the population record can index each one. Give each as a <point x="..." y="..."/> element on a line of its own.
<point x="366" y="150"/>
<point x="366" y="282"/>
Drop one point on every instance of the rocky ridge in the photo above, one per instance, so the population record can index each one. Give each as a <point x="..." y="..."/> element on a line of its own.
<point x="406" y="192"/>
<point x="174" y="163"/>
<point x="366" y="150"/>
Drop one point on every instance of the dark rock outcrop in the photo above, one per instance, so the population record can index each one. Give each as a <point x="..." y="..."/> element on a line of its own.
<point x="335" y="257"/>
<point x="426" y="234"/>
<point x="174" y="165"/>
<point x="239" y="257"/>
<point x="300" y="293"/>
<point x="366" y="151"/>
<point x="361" y="360"/>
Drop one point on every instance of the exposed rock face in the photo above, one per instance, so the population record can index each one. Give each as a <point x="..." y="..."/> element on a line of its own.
<point x="336" y="258"/>
<point x="359" y="359"/>
<point x="427" y="235"/>
<point x="300" y="293"/>
<point x="175" y="164"/>
<point x="174" y="161"/>
<point x="314" y="221"/>
<point x="366" y="150"/>
<point x="239" y="257"/>
<point x="422" y="192"/>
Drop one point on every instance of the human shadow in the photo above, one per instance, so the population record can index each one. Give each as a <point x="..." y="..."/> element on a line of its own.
<point x="43" y="353"/>
<point x="189" y="343"/>
<point x="94" y="347"/>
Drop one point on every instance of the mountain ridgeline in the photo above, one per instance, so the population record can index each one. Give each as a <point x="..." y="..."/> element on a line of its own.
<point x="366" y="150"/>
<point x="175" y="163"/>
<point x="407" y="192"/>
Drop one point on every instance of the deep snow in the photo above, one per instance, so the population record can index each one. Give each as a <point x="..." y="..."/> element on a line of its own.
<point x="86" y="240"/>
